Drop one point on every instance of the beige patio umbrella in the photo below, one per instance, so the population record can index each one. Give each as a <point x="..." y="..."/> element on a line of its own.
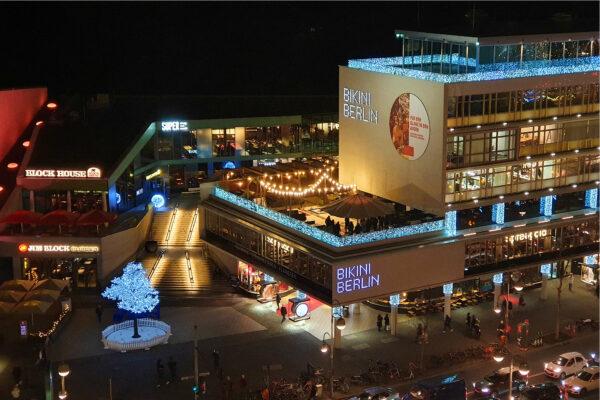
<point x="51" y="284"/>
<point x="18" y="285"/>
<point x="6" y="306"/>
<point x="359" y="206"/>
<point x="43" y="295"/>
<point x="11" y="296"/>
<point x="32" y="307"/>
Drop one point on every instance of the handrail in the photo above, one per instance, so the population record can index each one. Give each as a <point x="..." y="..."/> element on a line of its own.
<point x="171" y="224"/>
<point x="160" y="256"/>
<point x="189" y="236"/>
<point x="189" y="266"/>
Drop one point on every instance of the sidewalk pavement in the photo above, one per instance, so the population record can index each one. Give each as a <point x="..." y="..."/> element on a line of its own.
<point x="251" y="340"/>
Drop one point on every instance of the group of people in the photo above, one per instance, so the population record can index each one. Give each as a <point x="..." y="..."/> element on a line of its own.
<point x="160" y="372"/>
<point x="381" y="321"/>
<point x="473" y="326"/>
<point x="227" y="386"/>
<point x="332" y="227"/>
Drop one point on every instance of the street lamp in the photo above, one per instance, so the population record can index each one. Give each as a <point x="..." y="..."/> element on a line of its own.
<point x="63" y="371"/>
<point x="339" y="324"/>
<point x="523" y="370"/>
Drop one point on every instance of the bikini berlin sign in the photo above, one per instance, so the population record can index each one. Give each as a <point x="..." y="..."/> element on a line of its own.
<point x="356" y="277"/>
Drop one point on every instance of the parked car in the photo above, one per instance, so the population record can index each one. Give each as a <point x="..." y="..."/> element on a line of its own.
<point x="585" y="381"/>
<point x="442" y="388"/>
<point x="378" y="393"/>
<point x="543" y="391"/>
<point x="496" y="383"/>
<point x="566" y="364"/>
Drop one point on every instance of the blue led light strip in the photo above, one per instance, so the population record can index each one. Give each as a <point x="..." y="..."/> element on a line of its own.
<point x="451" y="223"/>
<point x="591" y="198"/>
<point x="546" y="205"/>
<point x="489" y="72"/>
<point x="323" y="236"/>
<point x="498" y="213"/>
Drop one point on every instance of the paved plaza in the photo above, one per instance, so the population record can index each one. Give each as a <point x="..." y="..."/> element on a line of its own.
<point x="252" y="340"/>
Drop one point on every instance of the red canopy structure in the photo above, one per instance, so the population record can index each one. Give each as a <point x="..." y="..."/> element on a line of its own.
<point x="60" y="218"/>
<point x="22" y="217"/>
<point x="513" y="299"/>
<point x="96" y="218"/>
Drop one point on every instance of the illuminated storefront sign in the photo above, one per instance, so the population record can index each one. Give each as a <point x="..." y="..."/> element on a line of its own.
<point x="357" y="105"/>
<point x="91" y="172"/>
<point x="154" y="174"/>
<point x="357" y="277"/>
<point x="527" y="236"/>
<point x="174" y="126"/>
<point x="57" y="248"/>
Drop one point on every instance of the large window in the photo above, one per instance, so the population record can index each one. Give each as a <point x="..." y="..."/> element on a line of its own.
<point x="545" y="139"/>
<point x="531" y="243"/>
<point x="223" y="142"/>
<point x="481" y="148"/>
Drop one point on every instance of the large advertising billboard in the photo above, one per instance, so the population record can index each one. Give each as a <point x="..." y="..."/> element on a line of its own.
<point x="391" y="137"/>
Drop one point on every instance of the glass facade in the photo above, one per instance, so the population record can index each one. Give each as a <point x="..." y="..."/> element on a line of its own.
<point x="269" y="248"/>
<point x="530" y="244"/>
<point x="466" y="184"/>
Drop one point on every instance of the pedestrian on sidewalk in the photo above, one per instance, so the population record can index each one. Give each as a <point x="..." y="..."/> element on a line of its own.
<point x="283" y="313"/>
<point x="243" y="387"/>
<point x="160" y="372"/>
<point x="99" y="310"/>
<point x="215" y="355"/>
<point x="277" y="300"/>
<point x="571" y="280"/>
<point x="447" y="322"/>
<point x="419" y="333"/>
<point x="425" y="334"/>
<point x="468" y="321"/>
<point x="473" y="319"/>
<point x="386" y="321"/>
<point x="229" y="387"/>
<point x="379" y="322"/>
<point x="172" y="364"/>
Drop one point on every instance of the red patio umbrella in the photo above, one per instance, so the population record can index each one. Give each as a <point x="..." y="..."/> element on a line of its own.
<point x="59" y="217"/>
<point x="22" y="217"/>
<point x="513" y="299"/>
<point x="96" y="217"/>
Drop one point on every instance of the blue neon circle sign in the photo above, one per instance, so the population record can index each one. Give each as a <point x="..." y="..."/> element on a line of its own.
<point x="158" y="200"/>
<point x="118" y="197"/>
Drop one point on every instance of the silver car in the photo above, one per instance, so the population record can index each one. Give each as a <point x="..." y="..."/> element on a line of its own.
<point x="378" y="393"/>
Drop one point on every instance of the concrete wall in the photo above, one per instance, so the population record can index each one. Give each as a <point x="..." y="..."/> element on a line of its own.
<point x="224" y="260"/>
<point x="399" y="271"/>
<point x="368" y="155"/>
<point x="120" y="247"/>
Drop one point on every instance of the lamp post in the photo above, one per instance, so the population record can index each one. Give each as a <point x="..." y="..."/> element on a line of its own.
<point x="63" y="371"/>
<point x="340" y="324"/>
<point x="523" y="370"/>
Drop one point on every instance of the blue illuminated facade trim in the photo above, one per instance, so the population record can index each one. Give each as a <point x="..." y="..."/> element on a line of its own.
<point x="498" y="213"/>
<point x="591" y="198"/>
<point x="323" y="236"/>
<point x="489" y="72"/>
<point x="497" y="279"/>
<point x="546" y="269"/>
<point x="589" y="260"/>
<point x="450" y="223"/>
<point x="448" y="288"/>
<point x="546" y="204"/>
<point x="394" y="299"/>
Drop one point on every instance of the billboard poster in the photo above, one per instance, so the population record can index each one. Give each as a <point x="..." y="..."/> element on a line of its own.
<point x="409" y="126"/>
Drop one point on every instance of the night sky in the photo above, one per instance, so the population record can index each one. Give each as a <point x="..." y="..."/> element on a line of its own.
<point x="236" y="48"/>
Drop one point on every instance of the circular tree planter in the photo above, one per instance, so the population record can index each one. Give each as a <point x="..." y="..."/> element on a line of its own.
<point x="119" y="336"/>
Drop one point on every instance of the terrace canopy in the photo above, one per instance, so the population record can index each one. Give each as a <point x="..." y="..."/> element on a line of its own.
<point x="359" y="206"/>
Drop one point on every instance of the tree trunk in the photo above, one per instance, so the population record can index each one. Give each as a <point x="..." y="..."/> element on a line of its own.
<point x="135" y="329"/>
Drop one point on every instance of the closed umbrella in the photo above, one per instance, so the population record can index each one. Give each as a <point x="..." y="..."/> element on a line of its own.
<point x="22" y="217"/>
<point x="11" y="296"/>
<point x="60" y="218"/>
<point x="359" y="206"/>
<point x="18" y="285"/>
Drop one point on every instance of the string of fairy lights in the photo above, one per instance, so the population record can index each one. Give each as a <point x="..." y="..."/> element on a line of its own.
<point x="323" y="175"/>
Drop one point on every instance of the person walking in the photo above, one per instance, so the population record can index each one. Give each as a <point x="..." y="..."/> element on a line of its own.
<point x="277" y="300"/>
<point x="229" y="387"/>
<point x="447" y="322"/>
<point x="216" y="356"/>
<point x="386" y="321"/>
<point x="243" y="387"/>
<point x="468" y="321"/>
<point x="99" y="310"/>
<point x="160" y="372"/>
<point x="425" y="334"/>
<point x="283" y="313"/>
<point x="419" y="333"/>
<point x="571" y="280"/>
<point x="172" y="365"/>
<point x="379" y="322"/>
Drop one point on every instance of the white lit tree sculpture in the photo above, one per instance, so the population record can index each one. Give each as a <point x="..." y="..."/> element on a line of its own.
<point x="133" y="292"/>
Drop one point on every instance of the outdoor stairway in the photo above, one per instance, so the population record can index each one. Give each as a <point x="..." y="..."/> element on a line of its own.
<point x="160" y="225"/>
<point x="185" y="226"/>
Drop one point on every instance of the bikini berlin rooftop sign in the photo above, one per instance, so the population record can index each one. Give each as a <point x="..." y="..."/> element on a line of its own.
<point x="356" y="277"/>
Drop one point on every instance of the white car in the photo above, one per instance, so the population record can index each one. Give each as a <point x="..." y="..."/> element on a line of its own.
<point x="566" y="364"/>
<point x="585" y="381"/>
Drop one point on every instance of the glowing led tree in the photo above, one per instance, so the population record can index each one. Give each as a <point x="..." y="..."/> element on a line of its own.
<point x="133" y="292"/>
